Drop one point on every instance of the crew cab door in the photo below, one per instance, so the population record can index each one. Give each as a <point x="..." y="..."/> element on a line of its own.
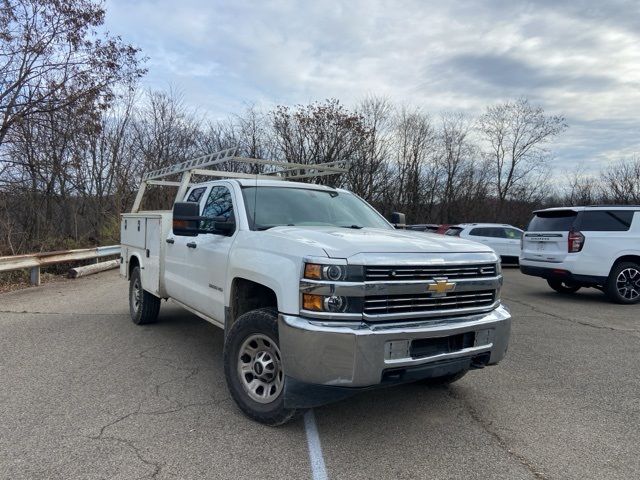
<point x="176" y="268"/>
<point x="207" y="258"/>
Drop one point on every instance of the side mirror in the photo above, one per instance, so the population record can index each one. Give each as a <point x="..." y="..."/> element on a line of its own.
<point x="398" y="220"/>
<point x="223" y="226"/>
<point x="187" y="221"/>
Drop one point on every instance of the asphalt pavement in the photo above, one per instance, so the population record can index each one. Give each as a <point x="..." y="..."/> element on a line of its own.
<point x="86" y="394"/>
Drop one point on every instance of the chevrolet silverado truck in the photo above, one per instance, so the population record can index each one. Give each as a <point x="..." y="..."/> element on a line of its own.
<point x="318" y="294"/>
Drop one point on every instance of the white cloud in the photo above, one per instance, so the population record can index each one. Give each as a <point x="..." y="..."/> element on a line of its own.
<point x="579" y="59"/>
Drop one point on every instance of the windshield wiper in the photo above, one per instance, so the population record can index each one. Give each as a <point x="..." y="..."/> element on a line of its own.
<point x="267" y="227"/>
<point x="355" y="227"/>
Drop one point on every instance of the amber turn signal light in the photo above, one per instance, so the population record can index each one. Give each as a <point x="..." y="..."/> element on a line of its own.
<point x="312" y="302"/>
<point x="313" y="271"/>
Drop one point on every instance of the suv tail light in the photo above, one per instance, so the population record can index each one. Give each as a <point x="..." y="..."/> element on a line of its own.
<point x="576" y="241"/>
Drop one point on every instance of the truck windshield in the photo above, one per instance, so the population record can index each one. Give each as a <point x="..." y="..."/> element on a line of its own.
<point x="269" y="207"/>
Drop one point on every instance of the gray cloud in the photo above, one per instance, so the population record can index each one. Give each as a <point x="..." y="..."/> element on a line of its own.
<point x="506" y="72"/>
<point x="577" y="58"/>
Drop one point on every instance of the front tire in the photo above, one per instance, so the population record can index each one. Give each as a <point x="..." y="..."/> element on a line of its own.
<point x="623" y="284"/>
<point x="253" y="368"/>
<point x="561" y="286"/>
<point x="143" y="306"/>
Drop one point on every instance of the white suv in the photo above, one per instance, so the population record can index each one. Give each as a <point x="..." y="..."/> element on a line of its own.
<point x="501" y="238"/>
<point x="596" y="246"/>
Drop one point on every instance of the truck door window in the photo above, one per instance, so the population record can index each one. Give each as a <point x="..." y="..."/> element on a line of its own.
<point x="219" y="203"/>
<point x="196" y="194"/>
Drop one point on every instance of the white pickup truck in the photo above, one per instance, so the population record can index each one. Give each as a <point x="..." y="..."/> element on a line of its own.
<point x="319" y="296"/>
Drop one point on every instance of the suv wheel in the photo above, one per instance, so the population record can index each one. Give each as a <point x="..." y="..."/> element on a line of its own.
<point x="143" y="306"/>
<point x="561" y="286"/>
<point x="253" y="368"/>
<point x="623" y="284"/>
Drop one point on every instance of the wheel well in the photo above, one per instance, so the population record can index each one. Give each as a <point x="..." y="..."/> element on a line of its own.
<point x="627" y="258"/>
<point x="133" y="263"/>
<point x="247" y="295"/>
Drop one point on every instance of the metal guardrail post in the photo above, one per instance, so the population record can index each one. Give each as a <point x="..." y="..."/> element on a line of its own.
<point x="34" y="276"/>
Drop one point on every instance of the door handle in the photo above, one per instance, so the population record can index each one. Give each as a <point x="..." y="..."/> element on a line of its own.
<point x="192" y="244"/>
<point x="170" y="241"/>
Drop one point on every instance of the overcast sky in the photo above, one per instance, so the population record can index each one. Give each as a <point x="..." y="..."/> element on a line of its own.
<point x="579" y="59"/>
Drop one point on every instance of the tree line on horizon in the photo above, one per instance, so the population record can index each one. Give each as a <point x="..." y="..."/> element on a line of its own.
<point x="77" y="132"/>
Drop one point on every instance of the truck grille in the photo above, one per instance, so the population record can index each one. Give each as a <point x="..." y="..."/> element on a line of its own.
<point x="429" y="272"/>
<point x="383" y="304"/>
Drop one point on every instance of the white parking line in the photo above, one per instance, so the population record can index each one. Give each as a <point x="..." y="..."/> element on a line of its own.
<point x="318" y="468"/>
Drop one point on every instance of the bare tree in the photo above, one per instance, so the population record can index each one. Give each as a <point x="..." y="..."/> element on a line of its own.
<point x="516" y="134"/>
<point x="367" y="176"/>
<point x="621" y="182"/>
<point x="455" y="163"/>
<point x="52" y="57"/>
<point x="413" y="170"/>
<point x="318" y="133"/>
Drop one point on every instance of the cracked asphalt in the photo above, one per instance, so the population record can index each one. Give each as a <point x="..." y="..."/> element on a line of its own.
<point x="86" y="394"/>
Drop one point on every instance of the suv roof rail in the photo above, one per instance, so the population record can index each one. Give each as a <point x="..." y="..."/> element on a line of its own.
<point x="615" y="205"/>
<point x="198" y="166"/>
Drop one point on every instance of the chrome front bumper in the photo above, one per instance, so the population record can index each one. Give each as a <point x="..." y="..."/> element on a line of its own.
<point x="357" y="354"/>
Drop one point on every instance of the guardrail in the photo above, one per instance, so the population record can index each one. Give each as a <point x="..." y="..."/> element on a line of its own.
<point x="34" y="261"/>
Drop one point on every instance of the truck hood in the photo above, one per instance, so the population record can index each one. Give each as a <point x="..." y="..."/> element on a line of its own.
<point x="345" y="242"/>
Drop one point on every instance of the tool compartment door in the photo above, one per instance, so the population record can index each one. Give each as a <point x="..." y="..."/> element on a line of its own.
<point x="133" y="231"/>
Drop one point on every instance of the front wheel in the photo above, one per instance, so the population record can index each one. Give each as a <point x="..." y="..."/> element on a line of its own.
<point x="561" y="286"/>
<point x="253" y="368"/>
<point x="623" y="284"/>
<point x="143" y="306"/>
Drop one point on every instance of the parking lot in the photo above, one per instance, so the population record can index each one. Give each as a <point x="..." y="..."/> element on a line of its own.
<point x="86" y="394"/>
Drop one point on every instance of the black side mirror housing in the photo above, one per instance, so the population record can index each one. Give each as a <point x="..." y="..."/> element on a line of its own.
<point x="398" y="220"/>
<point x="187" y="221"/>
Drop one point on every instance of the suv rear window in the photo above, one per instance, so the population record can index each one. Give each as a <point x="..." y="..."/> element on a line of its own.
<point x="605" y="220"/>
<point x="552" y="221"/>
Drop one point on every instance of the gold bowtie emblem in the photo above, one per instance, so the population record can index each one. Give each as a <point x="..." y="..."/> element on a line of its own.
<point x="441" y="287"/>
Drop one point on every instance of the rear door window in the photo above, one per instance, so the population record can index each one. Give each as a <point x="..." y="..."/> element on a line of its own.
<point x="480" y="232"/>
<point x="496" y="232"/>
<point x="605" y="220"/>
<point x="512" y="233"/>
<point x="553" y="221"/>
<point x="196" y="194"/>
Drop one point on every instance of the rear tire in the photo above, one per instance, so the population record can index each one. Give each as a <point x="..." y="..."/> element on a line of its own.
<point x="561" y="286"/>
<point x="143" y="306"/>
<point x="444" y="380"/>
<point x="623" y="284"/>
<point x="253" y="368"/>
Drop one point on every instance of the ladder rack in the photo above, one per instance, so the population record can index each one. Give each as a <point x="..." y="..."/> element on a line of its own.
<point x="198" y="166"/>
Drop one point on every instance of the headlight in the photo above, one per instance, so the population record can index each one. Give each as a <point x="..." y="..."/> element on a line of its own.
<point x="333" y="273"/>
<point x="331" y="303"/>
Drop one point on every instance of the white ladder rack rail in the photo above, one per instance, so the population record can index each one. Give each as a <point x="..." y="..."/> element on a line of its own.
<point x="197" y="166"/>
